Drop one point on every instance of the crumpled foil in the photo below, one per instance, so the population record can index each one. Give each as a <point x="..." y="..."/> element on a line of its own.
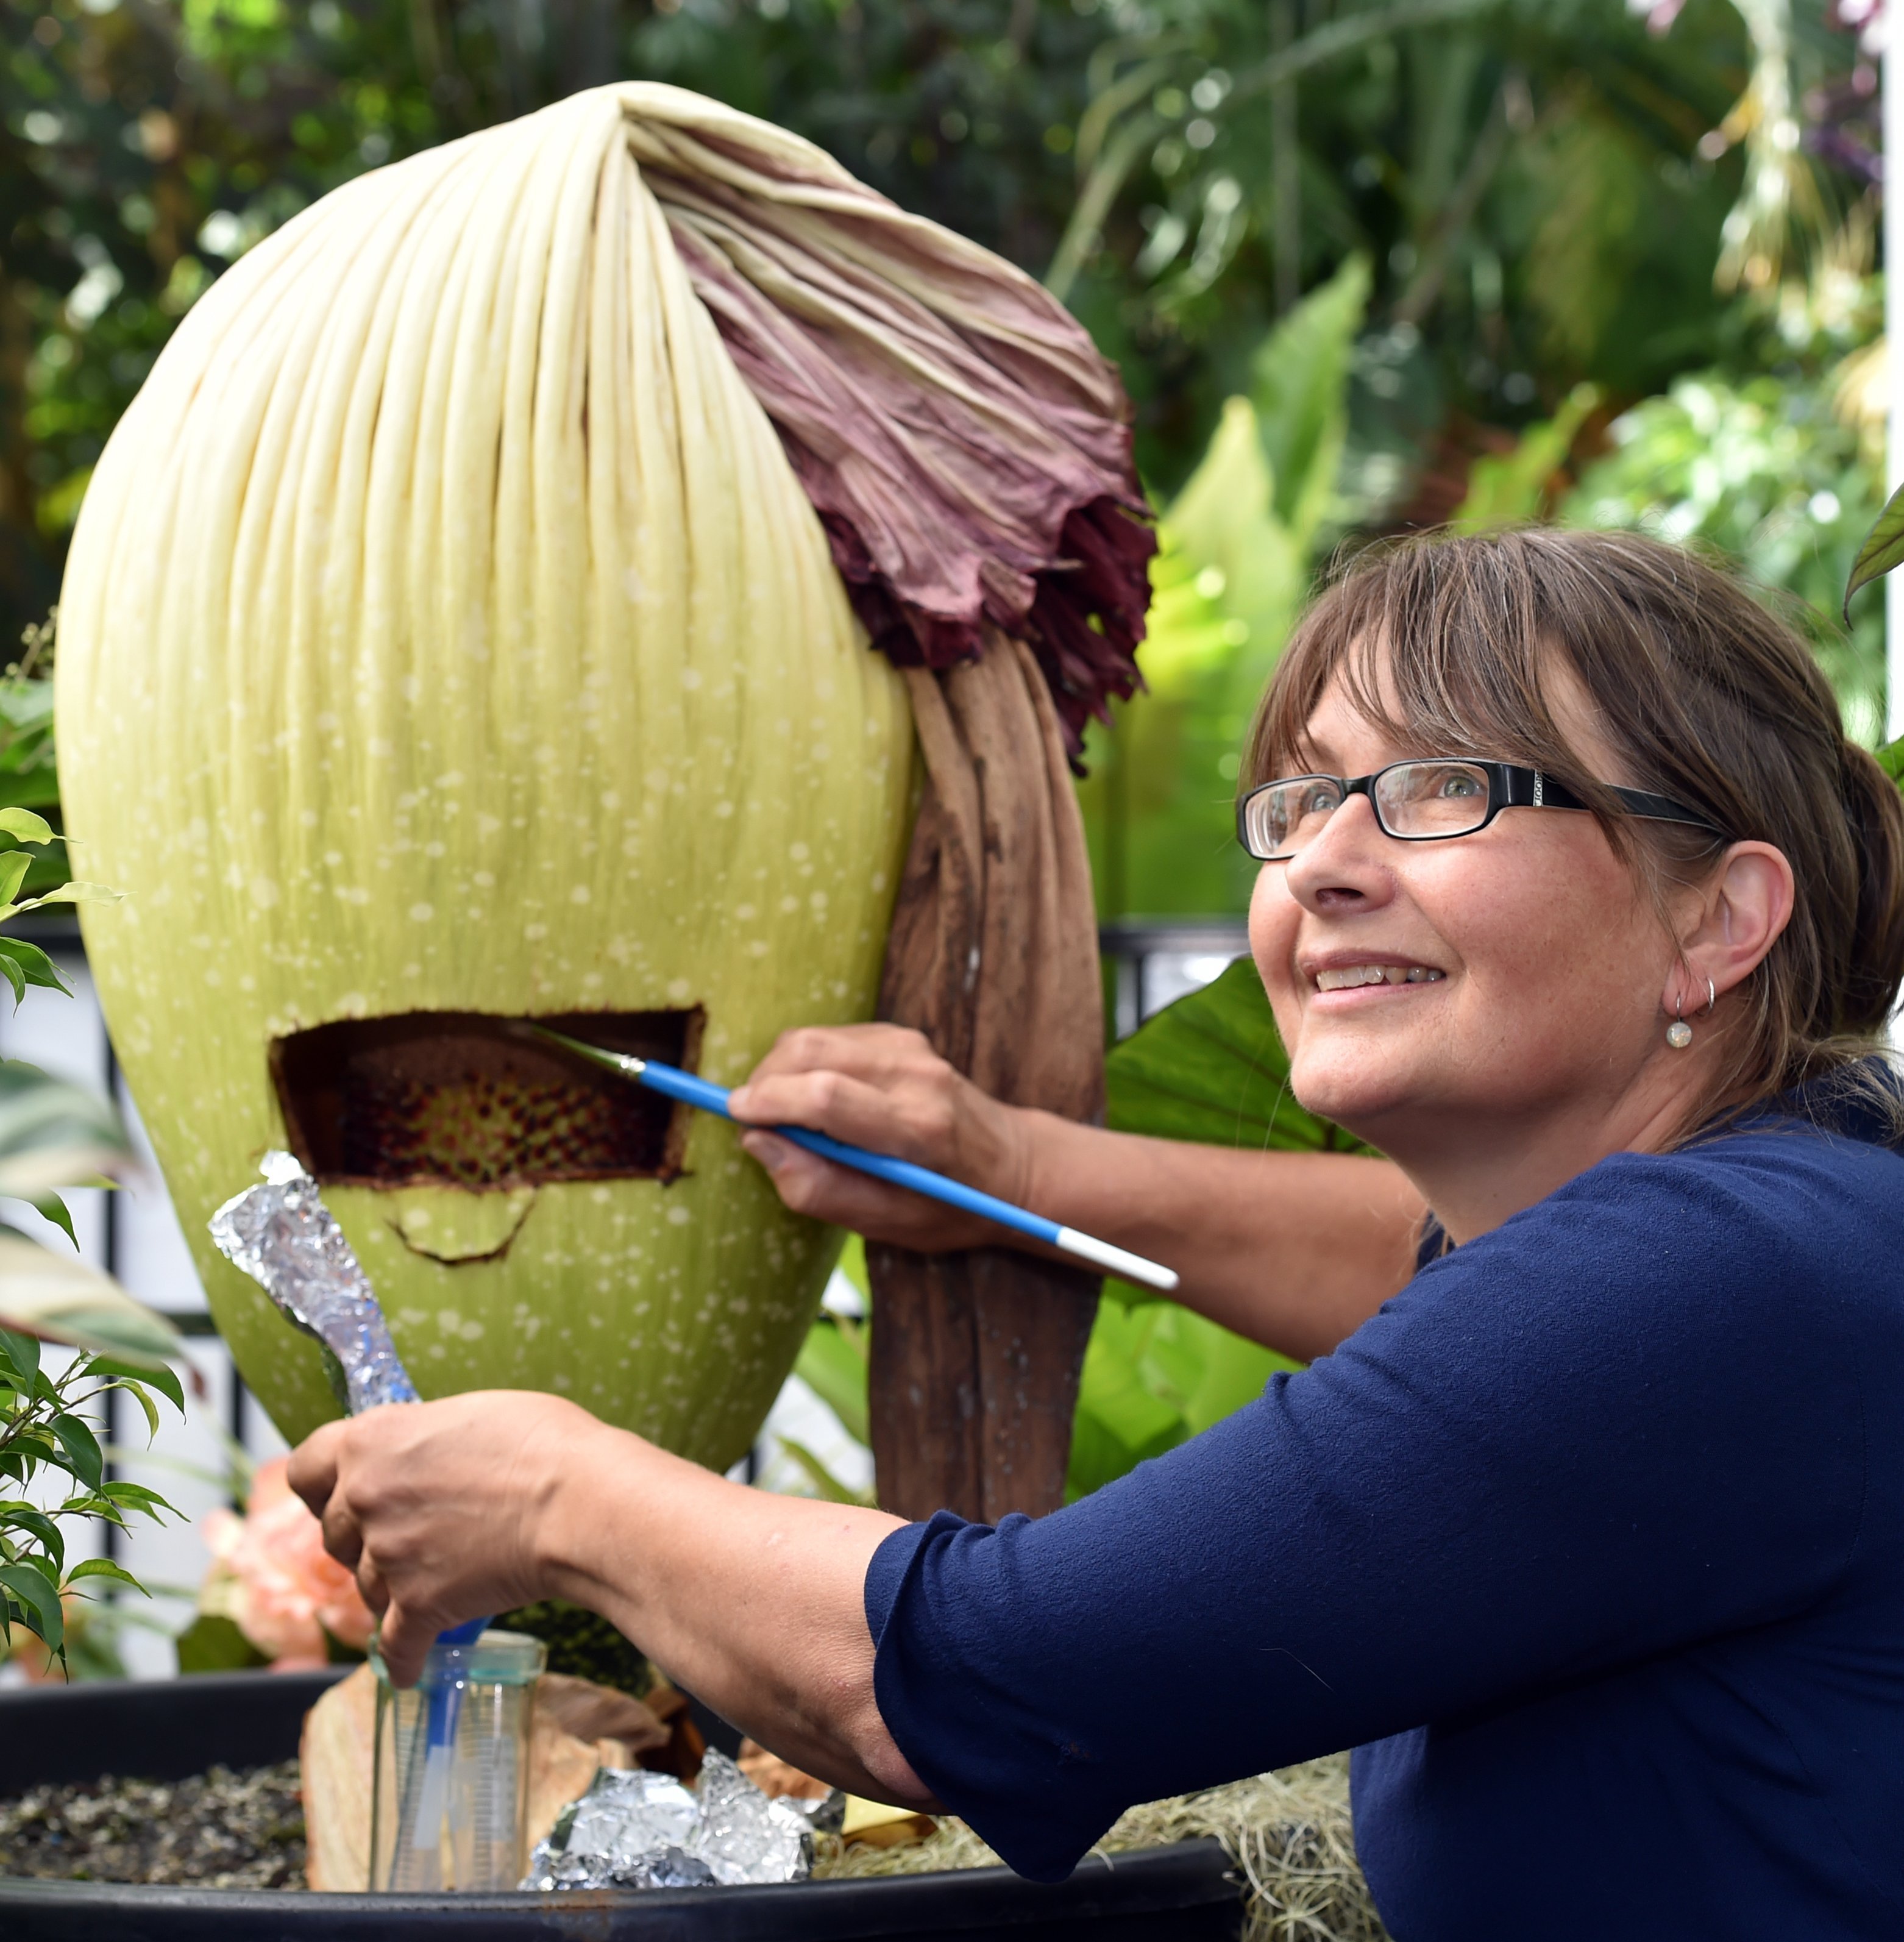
<point x="634" y="1829"/>
<point x="283" y="1235"/>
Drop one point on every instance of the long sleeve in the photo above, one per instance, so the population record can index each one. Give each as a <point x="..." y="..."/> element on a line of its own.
<point x="1632" y="1419"/>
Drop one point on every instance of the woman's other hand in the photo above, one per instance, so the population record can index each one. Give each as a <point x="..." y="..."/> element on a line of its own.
<point x="882" y="1087"/>
<point x="440" y="1508"/>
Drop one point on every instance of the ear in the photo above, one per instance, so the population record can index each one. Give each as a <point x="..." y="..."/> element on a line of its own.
<point x="1741" y="913"/>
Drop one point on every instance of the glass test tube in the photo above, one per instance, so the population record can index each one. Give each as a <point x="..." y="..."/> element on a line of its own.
<point x="450" y="1791"/>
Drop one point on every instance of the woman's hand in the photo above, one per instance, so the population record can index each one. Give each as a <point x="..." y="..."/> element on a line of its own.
<point x="440" y="1508"/>
<point x="453" y="1510"/>
<point x="883" y="1087"/>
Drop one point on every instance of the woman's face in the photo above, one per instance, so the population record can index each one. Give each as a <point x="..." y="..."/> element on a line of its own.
<point x="1538" y="964"/>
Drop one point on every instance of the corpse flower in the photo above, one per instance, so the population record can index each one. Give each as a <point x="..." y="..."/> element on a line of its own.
<point x="470" y="621"/>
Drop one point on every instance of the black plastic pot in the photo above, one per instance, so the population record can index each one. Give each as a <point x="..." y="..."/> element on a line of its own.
<point x="165" y="1729"/>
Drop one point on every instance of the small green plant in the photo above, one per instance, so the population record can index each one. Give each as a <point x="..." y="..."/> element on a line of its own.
<point x="43" y="1432"/>
<point x="54" y="1134"/>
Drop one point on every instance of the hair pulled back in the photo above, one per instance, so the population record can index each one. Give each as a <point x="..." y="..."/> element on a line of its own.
<point x="1448" y="644"/>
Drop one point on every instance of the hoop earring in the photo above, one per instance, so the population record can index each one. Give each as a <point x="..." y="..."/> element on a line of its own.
<point x="1712" y="998"/>
<point x="1679" y="1033"/>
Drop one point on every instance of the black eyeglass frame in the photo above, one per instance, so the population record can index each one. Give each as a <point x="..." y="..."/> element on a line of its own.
<point x="1509" y="786"/>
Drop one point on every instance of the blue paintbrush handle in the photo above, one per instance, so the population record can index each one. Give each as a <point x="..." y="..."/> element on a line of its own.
<point x="712" y="1098"/>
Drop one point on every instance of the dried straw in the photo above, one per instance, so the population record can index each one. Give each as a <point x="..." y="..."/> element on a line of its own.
<point x="1289" y="1834"/>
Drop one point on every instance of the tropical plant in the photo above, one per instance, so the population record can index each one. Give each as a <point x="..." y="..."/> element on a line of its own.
<point x="1237" y="552"/>
<point x="53" y="1135"/>
<point x="1775" y="457"/>
<point x="1526" y="176"/>
<point x="44" y="1434"/>
<point x="29" y="777"/>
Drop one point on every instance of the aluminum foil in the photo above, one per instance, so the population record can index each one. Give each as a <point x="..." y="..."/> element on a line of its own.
<point x="633" y="1829"/>
<point x="283" y="1235"/>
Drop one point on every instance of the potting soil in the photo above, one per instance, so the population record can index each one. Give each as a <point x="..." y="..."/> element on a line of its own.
<point x="1289" y="1834"/>
<point x="216" y="1829"/>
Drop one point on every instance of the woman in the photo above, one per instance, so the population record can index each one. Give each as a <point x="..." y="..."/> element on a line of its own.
<point x="1574" y="902"/>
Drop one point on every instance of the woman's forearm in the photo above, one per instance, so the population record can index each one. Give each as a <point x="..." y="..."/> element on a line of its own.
<point x="753" y="1602"/>
<point x="1296" y="1250"/>
<point x="1293" y="1250"/>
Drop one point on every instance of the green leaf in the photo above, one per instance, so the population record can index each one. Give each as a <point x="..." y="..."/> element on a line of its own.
<point x="63" y="1297"/>
<point x="84" y="1455"/>
<point x="1882" y="550"/>
<point x="137" y="1392"/>
<point x="1211" y="1068"/>
<point x="828" y="1486"/>
<point x="54" y="1209"/>
<point x="14" y="866"/>
<point x="1298" y="383"/>
<point x="33" y="965"/>
<point x="18" y="1516"/>
<point x="53" y="1134"/>
<point x="137" y="1497"/>
<point x="215" y="1644"/>
<point x="38" y="1601"/>
<point x="833" y="1364"/>
<point x="76" y="893"/>
<point x="23" y="826"/>
<point x="22" y="1352"/>
<point x="165" y="1380"/>
<point x="104" y="1567"/>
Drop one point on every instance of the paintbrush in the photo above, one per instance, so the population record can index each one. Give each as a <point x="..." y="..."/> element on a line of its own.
<point x="674" y="1084"/>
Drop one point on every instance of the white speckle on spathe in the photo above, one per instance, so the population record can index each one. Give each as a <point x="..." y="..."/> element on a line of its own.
<point x="798" y="852"/>
<point x="723" y="809"/>
<point x="678" y="990"/>
<point x="422" y="913"/>
<point x="679" y="1216"/>
<point x="449" y="1321"/>
<point x="471" y="1331"/>
<point x="579" y="894"/>
<point x="485" y="880"/>
<point x="690" y="678"/>
<point x="264" y="892"/>
<point x="535" y="933"/>
<point x="744" y="913"/>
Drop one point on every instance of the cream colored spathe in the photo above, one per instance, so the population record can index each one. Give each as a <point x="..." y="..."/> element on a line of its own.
<point x="445" y="630"/>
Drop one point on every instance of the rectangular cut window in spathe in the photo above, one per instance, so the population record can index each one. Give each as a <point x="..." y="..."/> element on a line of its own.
<point x="469" y="1099"/>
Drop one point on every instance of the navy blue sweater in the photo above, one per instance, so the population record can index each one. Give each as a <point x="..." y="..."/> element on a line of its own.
<point x="1591" y="1542"/>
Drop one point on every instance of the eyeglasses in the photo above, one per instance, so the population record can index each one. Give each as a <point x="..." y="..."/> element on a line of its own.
<point x="1420" y="802"/>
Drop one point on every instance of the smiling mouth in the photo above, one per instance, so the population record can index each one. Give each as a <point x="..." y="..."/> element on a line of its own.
<point x="1349" y="977"/>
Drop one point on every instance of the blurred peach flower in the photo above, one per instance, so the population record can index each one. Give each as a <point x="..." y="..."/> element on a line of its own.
<point x="271" y="1575"/>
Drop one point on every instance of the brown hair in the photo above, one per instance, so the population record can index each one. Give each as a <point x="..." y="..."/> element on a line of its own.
<point x="1706" y="696"/>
